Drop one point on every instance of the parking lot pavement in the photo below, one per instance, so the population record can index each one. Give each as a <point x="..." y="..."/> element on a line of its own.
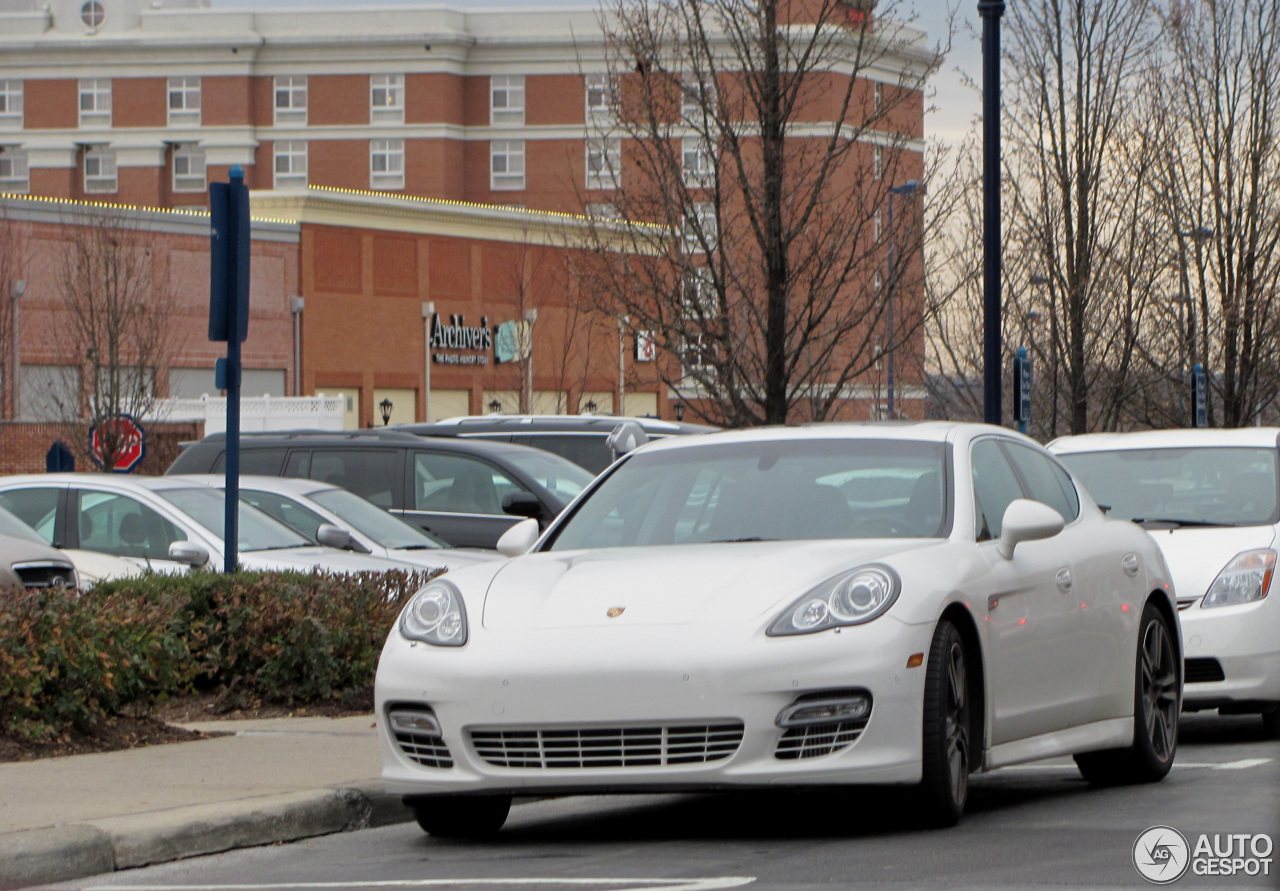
<point x="265" y="781"/>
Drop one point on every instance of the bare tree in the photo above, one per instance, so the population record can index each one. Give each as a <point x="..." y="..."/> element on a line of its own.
<point x="15" y="257"/>
<point x="116" y="320"/>
<point x="748" y="159"/>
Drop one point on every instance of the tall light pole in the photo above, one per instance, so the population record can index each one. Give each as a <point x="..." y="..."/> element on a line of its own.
<point x="1199" y="235"/>
<point x="907" y="188"/>
<point x="16" y="289"/>
<point x="296" y="305"/>
<point x="1039" y="281"/>
<point x="991" y="12"/>
<point x="623" y="321"/>
<point x="530" y="316"/>
<point x="428" y="313"/>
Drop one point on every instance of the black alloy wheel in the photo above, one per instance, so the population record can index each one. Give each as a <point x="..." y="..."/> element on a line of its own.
<point x="948" y="738"/>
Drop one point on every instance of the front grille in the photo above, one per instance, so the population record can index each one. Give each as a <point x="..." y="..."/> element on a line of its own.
<point x="40" y="574"/>
<point x="579" y="748"/>
<point x="429" y="751"/>
<point x="1202" y="671"/>
<point x="814" y="740"/>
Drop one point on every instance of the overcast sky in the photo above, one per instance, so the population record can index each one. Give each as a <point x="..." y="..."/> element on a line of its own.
<point x="954" y="106"/>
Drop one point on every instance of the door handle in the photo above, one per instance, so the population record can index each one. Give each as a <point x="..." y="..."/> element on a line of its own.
<point x="1064" y="580"/>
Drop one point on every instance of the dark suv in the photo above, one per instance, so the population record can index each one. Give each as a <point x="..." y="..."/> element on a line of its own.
<point x="583" y="439"/>
<point x="465" y="492"/>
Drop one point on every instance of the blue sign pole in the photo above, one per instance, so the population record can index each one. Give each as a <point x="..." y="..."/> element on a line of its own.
<point x="1199" y="397"/>
<point x="229" y="321"/>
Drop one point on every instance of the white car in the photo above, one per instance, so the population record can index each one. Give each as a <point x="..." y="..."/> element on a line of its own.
<point x="832" y="604"/>
<point x="310" y="506"/>
<point x="164" y="523"/>
<point x="1211" y="500"/>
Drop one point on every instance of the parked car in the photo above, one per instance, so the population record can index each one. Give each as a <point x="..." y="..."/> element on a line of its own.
<point x="583" y="439"/>
<point x="165" y="524"/>
<point x="91" y="567"/>
<point x="352" y="523"/>
<point x="32" y="564"/>
<point x="465" y="492"/>
<point x="717" y="611"/>
<point x="1211" y="500"/>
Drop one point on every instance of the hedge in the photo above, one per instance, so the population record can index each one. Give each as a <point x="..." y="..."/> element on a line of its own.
<point x="69" y="659"/>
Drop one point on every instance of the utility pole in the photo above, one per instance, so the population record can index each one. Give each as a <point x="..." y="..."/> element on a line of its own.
<point x="991" y="12"/>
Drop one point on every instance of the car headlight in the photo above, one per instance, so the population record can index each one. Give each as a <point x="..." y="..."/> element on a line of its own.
<point x="850" y="598"/>
<point x="435" y="615"/>
<point x="1246" y="578"/>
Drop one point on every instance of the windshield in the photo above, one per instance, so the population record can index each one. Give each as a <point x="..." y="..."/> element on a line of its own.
<point x="560" y="477"/>
<point x="256" y="530"/>
<point x="1233" y="486"/>
<point x="371" y="520"/>
<point x="766" y="491"/>
<point x="11" y="525"/>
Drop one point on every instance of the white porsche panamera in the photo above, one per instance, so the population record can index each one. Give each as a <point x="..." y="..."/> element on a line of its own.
<point x="824" y="605"/>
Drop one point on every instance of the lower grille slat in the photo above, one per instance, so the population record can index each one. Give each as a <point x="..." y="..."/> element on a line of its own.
<point x="609" y="747"/>
<point x="815" y="740"/>
<point x="1202" y="671"/>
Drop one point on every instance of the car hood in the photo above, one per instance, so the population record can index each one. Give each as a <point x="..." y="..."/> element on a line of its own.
<point x="1196" y="555"/>
<point x="305" y="559"/>
<point x="448" y="559"/>
<point x="92" y="567"/>
<point x="669" y="585"/>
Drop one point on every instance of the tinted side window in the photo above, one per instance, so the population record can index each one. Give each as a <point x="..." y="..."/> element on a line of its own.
<point x="373" y="474"/>
<point x="995" y="487"/>
<point x="589" y="452"/>
<point x="35" y="507"/>
<point x="286" y="510"/>
<point x="298" y="465"/>
<point x="458" y="484"/>
<point x="1048" y="483"/>
<point x="117" y="524"/>
<point x="265" y="462"/>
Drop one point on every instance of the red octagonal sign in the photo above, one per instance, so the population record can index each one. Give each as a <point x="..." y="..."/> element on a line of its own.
<point x="127" y="431"/>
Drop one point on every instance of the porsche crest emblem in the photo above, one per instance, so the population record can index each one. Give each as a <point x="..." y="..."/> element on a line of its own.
<point x="615" y="611"/>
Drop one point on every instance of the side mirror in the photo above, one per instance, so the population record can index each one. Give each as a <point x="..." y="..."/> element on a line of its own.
<point x="518" y="539"/>
<point x="188" y="552"/>
<point x="333" y="536"/>
<point x="1026" y="520"/>
<point x="522" y="504"/>
<point x="626" y="437"/>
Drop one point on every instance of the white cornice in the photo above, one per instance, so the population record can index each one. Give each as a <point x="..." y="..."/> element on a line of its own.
<point x="193" y="221"/>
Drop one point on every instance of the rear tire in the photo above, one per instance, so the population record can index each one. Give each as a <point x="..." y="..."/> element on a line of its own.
<point x="1157" y="703"/>
<point x="462" y="816"/>
<point x="1271" y="722"/>
<point x="947" y="753"/>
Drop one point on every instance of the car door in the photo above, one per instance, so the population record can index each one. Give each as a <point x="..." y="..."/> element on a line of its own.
<point x="1032" y="627"/>
<point x="117" y="524"/>
<point x="459" y="498"/>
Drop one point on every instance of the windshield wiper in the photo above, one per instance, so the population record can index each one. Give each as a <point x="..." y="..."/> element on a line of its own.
<point x="736" y="540"/>
<point x="417" y="548"/>
<point x="1177" y="523"/>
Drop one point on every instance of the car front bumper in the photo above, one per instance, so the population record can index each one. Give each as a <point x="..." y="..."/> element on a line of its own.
<point x="1245" y="642"/>
<point x="589" y="679"/>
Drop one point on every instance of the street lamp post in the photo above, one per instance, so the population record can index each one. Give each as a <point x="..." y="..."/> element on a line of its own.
<point x="530" y="316"/>
<point x="384" y="407"/>
<point x="991" y="12"/>
<point x="907" y="188"/>
<point x="16" y="289"/>
<point x="428" y="313"/>
<point x="1199" y="235"/>
<point x="296" y="306"/>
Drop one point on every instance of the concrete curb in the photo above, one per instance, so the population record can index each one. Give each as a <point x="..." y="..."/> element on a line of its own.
<point x="72" y="851"/>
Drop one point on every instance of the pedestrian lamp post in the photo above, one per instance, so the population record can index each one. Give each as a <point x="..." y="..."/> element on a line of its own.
<point x="590" y="406"/>
<point x="679" y="411"/>
<point x="1198" y="235"/>
<point x="907" y="188"/>
<point x="1186" y="353"/>
<point x="17" y="288"/>
<point x="384" y="407"/>
<point x="494" y="406"/>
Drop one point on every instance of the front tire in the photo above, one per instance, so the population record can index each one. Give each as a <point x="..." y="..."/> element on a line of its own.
<point x="947" y="752"/>
<point x="462" y="816"/>
<point x="1157" y="703"/>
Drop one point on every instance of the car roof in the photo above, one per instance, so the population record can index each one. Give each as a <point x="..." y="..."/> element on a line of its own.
<point x="288" y="485"/>
<point x="1264" y="437"/>
<point x="374" y="438"/>
<point x="516" y="424"/>
<point x="121" y="481"/>
<point x="917" y="431"/>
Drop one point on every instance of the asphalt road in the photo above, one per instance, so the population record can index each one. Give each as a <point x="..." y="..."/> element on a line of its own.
<point x="1035" y="825"/>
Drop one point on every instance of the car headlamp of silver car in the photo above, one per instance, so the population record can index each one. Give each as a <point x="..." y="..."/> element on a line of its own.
<point x="851" y="598"/>
<point x="435" y="615"/>
<point x="1245" y="579"/>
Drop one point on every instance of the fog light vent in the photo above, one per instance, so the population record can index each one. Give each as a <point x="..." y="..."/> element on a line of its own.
<point x="822" y="723"/>
<point x="417" y="731"/>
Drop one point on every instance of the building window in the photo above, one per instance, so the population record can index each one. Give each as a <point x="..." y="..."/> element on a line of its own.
<point x="99" y="169"/>
<point x="290" y="165"/>
<point x="698" y="357"/>
<point x="188" y="168"/>
<point x="699" y="169"/>
<point x="700" y="228"/>
<point x="699" y="301"/>
<point x="386" y="163"/>
<point x="15" y="174"/>
<point x="95" y="103"/>
<point x="879" y="226"/>
<point x="877" y="164"/>
<point x="506" y="99"/>
<point x="11" y="104"/>
<point x="601" y="99"/>
<point x="697" y="98"/>
<point x="291" y="99"/>
<point x="506" y="164"/>
<point x="604" y="163"/>
<point x="93" y="14"/>
<point x="386" y="98"/>
<point x="184" y="100"/>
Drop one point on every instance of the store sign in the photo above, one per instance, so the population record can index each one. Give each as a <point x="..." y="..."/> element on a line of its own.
<point x="472" y="343"/>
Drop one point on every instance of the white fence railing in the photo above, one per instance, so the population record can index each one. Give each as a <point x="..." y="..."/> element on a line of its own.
<point x="257" y="413"/>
